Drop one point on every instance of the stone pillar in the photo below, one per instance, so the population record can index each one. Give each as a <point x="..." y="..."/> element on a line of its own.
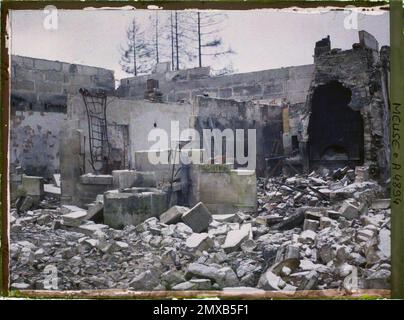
<point x="71" y="161"/>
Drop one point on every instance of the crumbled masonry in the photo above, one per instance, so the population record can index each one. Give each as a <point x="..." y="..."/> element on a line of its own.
<point x="310" y="232"/>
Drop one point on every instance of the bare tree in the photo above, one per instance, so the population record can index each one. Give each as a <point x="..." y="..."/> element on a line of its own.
<point x="204" y="28"/>
<point x="182" y="49"/>
<point x="136" y="58"/>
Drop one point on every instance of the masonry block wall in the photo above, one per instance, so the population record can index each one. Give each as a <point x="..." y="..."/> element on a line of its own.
<point x="137" y="118"/>
<point x="39" y="90"/>
<point x="43" y="85"/>
<point x="291" y="83"/>
<point x="266" y="120"/>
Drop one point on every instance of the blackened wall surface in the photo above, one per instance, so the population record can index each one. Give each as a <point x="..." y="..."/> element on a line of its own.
<point x="266" y="120"/>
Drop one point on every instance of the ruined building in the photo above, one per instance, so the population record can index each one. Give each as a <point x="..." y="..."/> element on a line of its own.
<point x="327" y="121"/>
<point x="331" y="113"/>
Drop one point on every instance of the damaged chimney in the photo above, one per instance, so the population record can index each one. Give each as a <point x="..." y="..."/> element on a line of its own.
<point x="324" y="45"/>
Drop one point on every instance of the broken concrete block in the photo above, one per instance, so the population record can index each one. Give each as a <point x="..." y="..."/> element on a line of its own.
<point x="224" y="277"/>
<point x="56" y="179"/>
<point x="91" y="228"/>
<point x="364" y="235"/>
<point x="102" y="179"/>
<point x="379" y="279"/>
<point x="133" y="206"/>
<point x="33" y="186"/>
<point x="235" y="238"/>
<point x="307" y="236"/>
<point x="95" y="211"/>
<point x="145" y="281"/>
<point x="326" y="253"/>
<point x="314" y="214"/>
<point x="173" y="215"/>
<point x="385" y="243"/>
<point x="199" y="242"/>
<point x="361" y="174"/>
<point x="325" y="222"/>
<point x="51" y="189"/>
<point x="74" y="219"/>
<point x="381" y="204"/>
<point x="24" y="204"/>
<point x="198" y="218"/>
<point x="270" y="281"/>
<point x="350" y="209"/>
<point x="309" y="281"/>
<point x="333" y="214"/>
<point x="286" y="256"/>
<point x="193" y="284"/>
<point x="122" y="179"/>
<point x="310" y="224"/>
<point x="65" y="209"/>
<point x="224" y="217"/>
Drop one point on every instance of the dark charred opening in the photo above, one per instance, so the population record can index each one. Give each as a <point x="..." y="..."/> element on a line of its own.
<point x="335" y="130"/>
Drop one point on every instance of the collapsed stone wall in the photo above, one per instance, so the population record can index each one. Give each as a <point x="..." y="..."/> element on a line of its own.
<point x="39" y="90"/>
<point x="360" y="71"/>
<point x="34" y="141"/>
<point x="291" y="83"/>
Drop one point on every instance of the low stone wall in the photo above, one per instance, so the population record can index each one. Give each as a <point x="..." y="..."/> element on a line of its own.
<point x="291" y="83"/>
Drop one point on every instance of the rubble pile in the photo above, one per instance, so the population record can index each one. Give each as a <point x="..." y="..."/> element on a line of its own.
<point x="328" y="230"/>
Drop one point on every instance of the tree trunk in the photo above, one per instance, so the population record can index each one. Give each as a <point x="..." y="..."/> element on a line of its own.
<point x="199" y="40"/>
<point x="176" y="41"/>
<point x="172" y="42"/>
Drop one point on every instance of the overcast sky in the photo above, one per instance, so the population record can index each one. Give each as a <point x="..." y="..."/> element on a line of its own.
<point x="262" y="39"/>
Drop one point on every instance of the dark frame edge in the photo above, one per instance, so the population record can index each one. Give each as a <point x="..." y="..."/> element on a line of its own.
<point x="4" y="116"/>
<point x="397" y="141"/>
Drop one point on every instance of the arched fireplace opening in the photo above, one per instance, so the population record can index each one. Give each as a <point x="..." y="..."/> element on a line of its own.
<point x="335" y="130"/>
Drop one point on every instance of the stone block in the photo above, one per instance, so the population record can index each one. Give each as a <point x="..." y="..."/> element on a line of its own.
<point x="307" y="236"/>
<point x="56" y="179"/>
<point x="95" y="210"/>
<point x="197" y="218"/>
<point x="199" y="242"/>
<point x="381" y="204"/>
<point x="65" y="209"/>
<point x="74" y="219"/>
<point x="310" y="224"/>
<point x="122" y="179"/>
<point x="270" y="281"/>
<point x="173" y="215"/>
<point x="47" y="65"/>
<point x="22" y="85"/>
<point x="350" y="209"/>
<point x="224" y="217"/>
<point x="90" y="178"/>
<point x="33" y="185"/>
<point x="133" y="206"/>
<point x="361" y="174"/>
<point x="235" y="238"/>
